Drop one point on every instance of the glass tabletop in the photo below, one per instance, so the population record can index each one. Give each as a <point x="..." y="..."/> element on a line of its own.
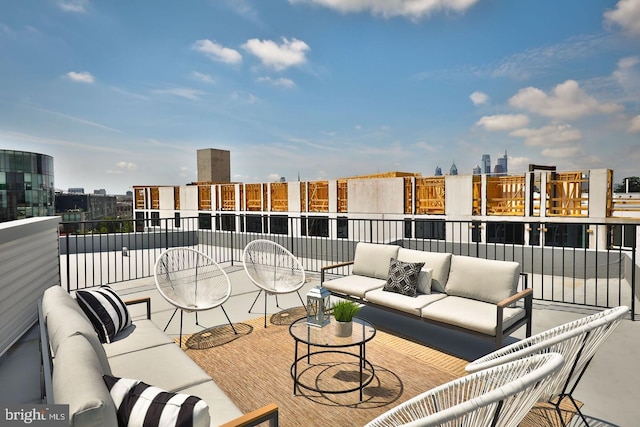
<point x="363" y="331"/>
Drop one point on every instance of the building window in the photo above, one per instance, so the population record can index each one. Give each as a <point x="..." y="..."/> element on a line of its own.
<point x="623" y="236"/>
<point x="204" y="221"/>
<point x="253" y="224"/>
<point x="430" y="229"/>
<point x="176" y="219"/>
<point x="155" y="219"/>
<point x="343" y="227"/>
<point x="227" y="222"/>
<point x="476" y="231"/>
<point x="278" y="224"/>
<point x="567" y="235"/>
<point x="318" y="226"/>
<point x="505" y="232"/>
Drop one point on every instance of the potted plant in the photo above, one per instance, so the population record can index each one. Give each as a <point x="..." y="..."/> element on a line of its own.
<point x="344" y="311"/>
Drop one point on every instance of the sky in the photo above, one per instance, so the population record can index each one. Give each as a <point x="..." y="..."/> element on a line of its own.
<point x="124" y="93"/>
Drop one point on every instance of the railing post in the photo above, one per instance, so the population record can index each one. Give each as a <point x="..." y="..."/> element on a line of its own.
<point x="633" y="272"/>
<point x="68" y="263"/>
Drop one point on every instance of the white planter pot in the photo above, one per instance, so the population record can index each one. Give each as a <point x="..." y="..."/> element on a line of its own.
<point x="343" y="329"/>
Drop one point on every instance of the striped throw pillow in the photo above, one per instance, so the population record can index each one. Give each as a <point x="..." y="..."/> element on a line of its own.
<point x="105" y="309"/>
<point x="139" y="404"/>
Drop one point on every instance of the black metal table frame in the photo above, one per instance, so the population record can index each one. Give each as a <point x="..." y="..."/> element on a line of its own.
<point x="363" y="363"/>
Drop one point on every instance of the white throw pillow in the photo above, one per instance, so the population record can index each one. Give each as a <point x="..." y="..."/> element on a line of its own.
<point x="424" y="280"/>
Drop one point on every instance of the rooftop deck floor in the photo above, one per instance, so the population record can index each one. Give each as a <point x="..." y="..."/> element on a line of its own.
<point x="609" y="389"/>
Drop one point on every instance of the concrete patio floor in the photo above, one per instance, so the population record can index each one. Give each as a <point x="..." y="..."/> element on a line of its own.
<point x="609" y="389"/>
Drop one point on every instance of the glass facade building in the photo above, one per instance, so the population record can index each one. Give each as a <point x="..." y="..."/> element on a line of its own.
<point x="26" y="185"/>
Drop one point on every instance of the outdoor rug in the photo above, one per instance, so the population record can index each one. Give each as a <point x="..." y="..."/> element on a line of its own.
<point x="254" y="369"/>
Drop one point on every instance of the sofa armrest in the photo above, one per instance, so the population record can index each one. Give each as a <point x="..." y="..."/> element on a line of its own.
<point x="146" y="300"/>
<point x="253" y="418"/>
<point x="332" y="266"/>
<point x="525" y="293"/>
<point x="46" y="363"/>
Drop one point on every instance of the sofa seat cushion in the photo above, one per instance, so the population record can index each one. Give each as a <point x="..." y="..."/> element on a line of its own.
<point x="141" y="334"/>
<point x="407" y="304"/>
<point x="141" y="404"/>
<point x="355" y="285"/>
<point x="482" y="279"/>
<point x="221" y="408"/>
<point x="471" y="314"/>
<point x="439" y="262"/>
<point x="165" y="366"/>
<point x="372" y="260"/>
<point x="77" y="382"/>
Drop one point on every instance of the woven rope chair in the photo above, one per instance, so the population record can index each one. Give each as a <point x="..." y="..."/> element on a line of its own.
<point x="192" y="282"/>
<point x="500" y="396"/>
<point x="273" y="269"/>
<point x="577" y="341"/>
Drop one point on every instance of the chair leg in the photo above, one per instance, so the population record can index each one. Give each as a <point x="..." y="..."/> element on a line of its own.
<point x="174" y="313"/>
<point x="229" y="320"/>
<point x="301" y="300"/>
<point x="181" y="314"/>
<point x="255" y="300"/>
<point x="265" y="309"/>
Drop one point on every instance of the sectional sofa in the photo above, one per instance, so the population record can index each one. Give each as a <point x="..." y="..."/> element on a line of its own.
<point x="96" y="379"/>
<point x="468" y="294"/>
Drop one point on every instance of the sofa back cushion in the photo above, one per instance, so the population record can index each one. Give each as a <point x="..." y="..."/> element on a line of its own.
<point x="439" y="262"/>
<point x="77" y="382"/>
<point x="372" y="260"/>
<point x="482" y="279"/>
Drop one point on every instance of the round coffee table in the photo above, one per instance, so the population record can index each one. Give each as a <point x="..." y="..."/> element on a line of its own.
<point x="327" y="342"/>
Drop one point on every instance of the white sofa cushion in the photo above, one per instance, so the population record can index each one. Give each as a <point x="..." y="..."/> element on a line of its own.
<point x="471" y="314"/>
<point x="141" y="334"/>
<point x="221" y="408"/>
<point x="439" y="262"/>
<point x="482" y="279"/>
<point x="354" y="285"/>
<point x="56" y="296"/>
<point x="165" y="366"/>
<point x="77" y="381"/>
<point x="372" y="260"/>
<point x="411" y="305"/>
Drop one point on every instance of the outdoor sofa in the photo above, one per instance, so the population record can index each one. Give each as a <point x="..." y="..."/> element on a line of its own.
<point x="467" y="294"/>
<point x="75" y="361"/>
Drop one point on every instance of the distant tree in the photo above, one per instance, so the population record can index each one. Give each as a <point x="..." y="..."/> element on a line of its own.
<point x="634" y="185"/>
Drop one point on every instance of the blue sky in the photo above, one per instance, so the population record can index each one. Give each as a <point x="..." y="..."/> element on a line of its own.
<point x="123" y="93"/>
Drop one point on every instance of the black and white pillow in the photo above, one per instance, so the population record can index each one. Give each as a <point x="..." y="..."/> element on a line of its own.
<point x="403" y="277"/>
<point x="105" y="309"/>
<point x="140" y="404"/>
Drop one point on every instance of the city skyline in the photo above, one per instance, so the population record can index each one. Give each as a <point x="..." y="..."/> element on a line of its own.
<point x="125" y="94"/>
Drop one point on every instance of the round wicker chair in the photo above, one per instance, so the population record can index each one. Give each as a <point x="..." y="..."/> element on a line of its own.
<point x="273" y="269"/>
<point x="191" y="281"/>
<point x="577" y="341"/>
<point x="500" y="396"/>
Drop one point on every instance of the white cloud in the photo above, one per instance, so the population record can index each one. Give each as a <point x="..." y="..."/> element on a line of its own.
<point x="627" y="75"/>
<point x="502" y="122"/>
<point x="562" y="152"/>
<point x="245" y="97"/>
<point x="634" y="126"/>
<point x="122" y="168"/>
<point x="278" y="57"/>
<point x="412" y="9"/>
<point x="282" y="82"/>
<point x="182" y="92"/>
<point x="77" y="6"/>
<point x="548" y="136"/>
<point x="567" y="101"/>
<point x="626" y="15"/>
<point x="217" y="52"/>
<point x="479" y="98"/>
<point x="82" y="77"/>
<point x="205" y="78"/>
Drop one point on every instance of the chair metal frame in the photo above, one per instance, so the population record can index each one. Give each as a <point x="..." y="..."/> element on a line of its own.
<point x="177" y="268"/>
<point x="578" y="341"/>
<point x="268" y="264"/>
<point x="500" y="396"/>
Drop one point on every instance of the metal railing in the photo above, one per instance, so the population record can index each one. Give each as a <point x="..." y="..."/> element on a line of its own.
<point x="584" y="263"/>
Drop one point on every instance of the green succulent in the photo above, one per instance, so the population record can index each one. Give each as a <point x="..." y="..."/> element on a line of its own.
<point x="345" y="310"/>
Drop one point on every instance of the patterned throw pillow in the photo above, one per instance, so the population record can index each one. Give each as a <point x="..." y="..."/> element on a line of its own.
<point x="403" y="277"/>
<point x="139" y="404"/>
<point x="105" y="309"/>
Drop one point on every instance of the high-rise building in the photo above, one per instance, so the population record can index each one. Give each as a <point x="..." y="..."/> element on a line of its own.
<point x="454" y="169"/>
<point x="502" y="163"/>
<point x="214" y="165"/>
<point x="477" y="170"/>
<point x="438" y="171"/>
<point x="26" y="185"/>
<point x="486" y="163"/>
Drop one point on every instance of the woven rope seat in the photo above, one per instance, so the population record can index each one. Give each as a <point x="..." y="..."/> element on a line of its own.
<point x="577" y="341"/>
<point x="499" y="396"/>
<point x="273" y="269"/>
<point x="191" y="281"/>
